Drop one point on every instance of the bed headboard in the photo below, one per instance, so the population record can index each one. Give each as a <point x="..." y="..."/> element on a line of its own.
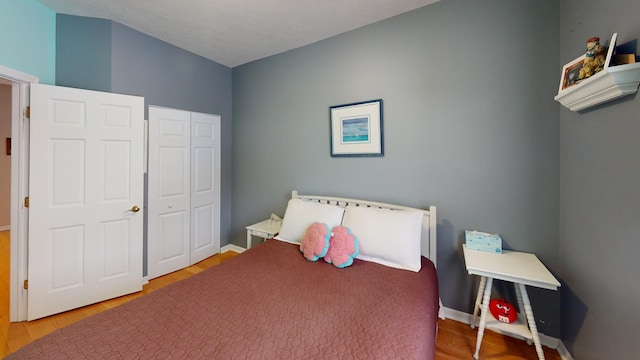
<point x="428" y="234"/>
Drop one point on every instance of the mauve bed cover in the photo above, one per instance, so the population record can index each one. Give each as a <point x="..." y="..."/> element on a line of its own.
<point x="266" y="303"/>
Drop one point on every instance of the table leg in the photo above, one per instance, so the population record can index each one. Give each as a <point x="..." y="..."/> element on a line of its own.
<point x="248" y="239"/>
<point x="519" y="299"/>
<point x="531" y="320"/>
<point x="483" y="315"/>
<point x="483" y="281"/>
<point x="521" y="307"/>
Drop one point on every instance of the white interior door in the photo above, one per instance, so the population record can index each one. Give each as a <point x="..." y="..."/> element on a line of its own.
<point x="86" y="183"/>
<point x="205" y="186"/>
<point x="169" y="198"/>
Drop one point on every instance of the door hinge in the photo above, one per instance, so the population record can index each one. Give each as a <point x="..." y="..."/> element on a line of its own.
<point x="26" y="202"/>
<point x="25" y="285"/>
<point x="27" y="112"/>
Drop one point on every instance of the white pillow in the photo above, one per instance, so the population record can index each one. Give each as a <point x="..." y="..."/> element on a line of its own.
<point x="387" y="237"/>
<point x="300" y="214"/>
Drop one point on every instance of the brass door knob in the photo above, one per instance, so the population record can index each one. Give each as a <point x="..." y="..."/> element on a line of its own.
<point x="135" y="208"/>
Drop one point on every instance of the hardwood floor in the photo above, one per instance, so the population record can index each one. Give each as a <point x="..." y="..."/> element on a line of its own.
<point x="15" y="335"/>
<point x="458" y="341"/>
<point x="455" y="340"/>
<point x="4" y="291"/>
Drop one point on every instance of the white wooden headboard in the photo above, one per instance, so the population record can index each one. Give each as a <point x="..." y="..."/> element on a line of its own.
<point x="428" y="238"/>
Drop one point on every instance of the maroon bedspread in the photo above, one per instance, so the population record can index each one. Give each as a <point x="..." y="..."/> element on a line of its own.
<point x="267" y="303"/>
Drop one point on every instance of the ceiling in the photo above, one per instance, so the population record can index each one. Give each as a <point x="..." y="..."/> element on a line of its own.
<point x="235" y="32"/>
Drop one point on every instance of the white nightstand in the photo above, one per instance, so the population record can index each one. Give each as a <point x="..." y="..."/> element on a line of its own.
<point x="265" y="229"/>
<point x="519" y="268"/>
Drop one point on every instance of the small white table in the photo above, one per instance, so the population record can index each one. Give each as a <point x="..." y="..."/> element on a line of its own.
<point x="519" y="268"/>
<point x="265" y="229"/>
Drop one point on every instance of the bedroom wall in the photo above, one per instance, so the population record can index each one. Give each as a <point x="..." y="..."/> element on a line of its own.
<point x="470" y="126"/>
<point x="600" y="198"/>
<point x="28" y="38"/>
<point x="139" y="64"/>
<point x="83" y="52"/>
<point x="169" y="76"/>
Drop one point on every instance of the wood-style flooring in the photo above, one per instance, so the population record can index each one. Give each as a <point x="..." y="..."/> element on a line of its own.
<point x="455" y="340"/>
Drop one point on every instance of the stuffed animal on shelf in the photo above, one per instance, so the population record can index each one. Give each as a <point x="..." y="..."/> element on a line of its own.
<point x="594" y="60"/>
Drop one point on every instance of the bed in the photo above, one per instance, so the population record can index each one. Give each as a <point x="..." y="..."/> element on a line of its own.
<point x="272" y="302"/>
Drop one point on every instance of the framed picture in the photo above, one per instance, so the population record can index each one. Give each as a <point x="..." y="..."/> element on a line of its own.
<point x="570" y="73"/>
<point x="611" y="50"/>
<point x="356" y="129"/>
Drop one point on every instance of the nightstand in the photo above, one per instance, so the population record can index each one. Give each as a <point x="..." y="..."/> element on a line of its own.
<point x="519" y="268"/>
<point x="265" y="229"/>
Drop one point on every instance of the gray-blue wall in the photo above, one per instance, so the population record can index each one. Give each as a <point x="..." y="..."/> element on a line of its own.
<point x="83" y="52"/>
<point x="470" y="125"/>
<point x="103" y="55"/>
<point x="600" y="198"/>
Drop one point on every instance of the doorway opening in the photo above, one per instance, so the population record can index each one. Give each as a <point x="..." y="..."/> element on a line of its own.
<point x="5" y="192"/>
<point x="19" y="164"/>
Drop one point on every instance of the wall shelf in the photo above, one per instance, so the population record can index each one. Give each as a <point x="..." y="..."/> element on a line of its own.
<point x="611" y="83"/>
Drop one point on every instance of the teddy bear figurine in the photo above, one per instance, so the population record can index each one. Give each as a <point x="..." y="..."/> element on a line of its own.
<point x="594" y="60"/>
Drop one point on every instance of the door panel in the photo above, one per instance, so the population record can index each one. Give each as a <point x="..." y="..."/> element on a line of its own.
<point x="173" y="162"/>
<point x="115" y="245"/>
<point x="173" y="226"/>
<point x="203" y="227"/>
<point x="169" y="195"/>
<point x="86" y="173"/>
<point x="117" y="155"/>
<point x="67" y="168"/>
<point x="67" y="257"/>
<point x="205" y="186"/>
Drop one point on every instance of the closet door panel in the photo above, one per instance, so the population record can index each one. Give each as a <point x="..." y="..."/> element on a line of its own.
<point x="203" y="227"/>
<point x="169" y="191"/>
<point x="205" y="186"/>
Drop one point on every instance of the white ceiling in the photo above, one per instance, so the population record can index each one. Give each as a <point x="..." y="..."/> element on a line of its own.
<point x="235" y="32"/>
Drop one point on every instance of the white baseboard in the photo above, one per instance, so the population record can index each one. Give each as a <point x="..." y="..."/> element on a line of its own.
<point x="5" y="227"/>
<point x="545" y="340"/>
<point x="564" y="352"/>
<point x="233" y="248"/>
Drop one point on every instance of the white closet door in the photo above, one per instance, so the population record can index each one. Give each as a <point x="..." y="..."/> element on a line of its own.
<point x="169" y="196"/>
<point x="205" y="186"/>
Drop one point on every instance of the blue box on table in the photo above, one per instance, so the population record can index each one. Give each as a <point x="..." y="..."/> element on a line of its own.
<point x="478" y="240"/>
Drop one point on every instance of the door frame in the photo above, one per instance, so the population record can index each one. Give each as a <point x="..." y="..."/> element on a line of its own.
<point x="19" y="189"/>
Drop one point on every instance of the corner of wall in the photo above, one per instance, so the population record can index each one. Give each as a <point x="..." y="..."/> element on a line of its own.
<point x="28" y="38"/>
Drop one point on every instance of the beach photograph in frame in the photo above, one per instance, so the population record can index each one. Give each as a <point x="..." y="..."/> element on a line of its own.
<point x="356" y="129"/>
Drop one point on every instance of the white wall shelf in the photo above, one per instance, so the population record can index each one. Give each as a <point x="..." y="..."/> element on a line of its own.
<point x="611" y="83"/>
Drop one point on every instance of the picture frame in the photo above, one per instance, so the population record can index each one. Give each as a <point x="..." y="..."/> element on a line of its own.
<point x="356" y="129"/>
<point x="570" y="72"/>
<point x="611" y="50"/>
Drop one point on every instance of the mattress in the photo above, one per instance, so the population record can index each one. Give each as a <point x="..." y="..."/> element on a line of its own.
<point x="266" y="303"/>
